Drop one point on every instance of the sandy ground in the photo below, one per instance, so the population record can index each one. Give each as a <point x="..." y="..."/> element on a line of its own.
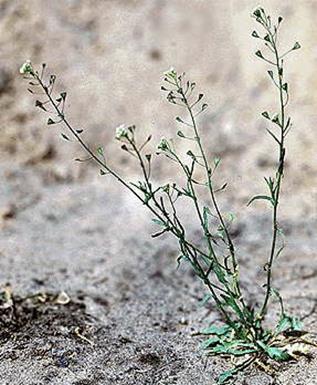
<point x="64" y="228"/>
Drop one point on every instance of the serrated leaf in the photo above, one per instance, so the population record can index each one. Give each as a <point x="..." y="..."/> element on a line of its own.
<point x="275" y="353"/>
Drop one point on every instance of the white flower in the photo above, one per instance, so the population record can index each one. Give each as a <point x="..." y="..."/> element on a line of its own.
<point x="163" y="145"/>
<point x="171" y="73"/>
<point x="121" y="132"/>
<point x="26" y="67"/>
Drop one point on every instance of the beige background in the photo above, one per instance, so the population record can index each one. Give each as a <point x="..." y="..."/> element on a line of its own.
<point x="64" y="227"/>
<point x="110" y="56"/>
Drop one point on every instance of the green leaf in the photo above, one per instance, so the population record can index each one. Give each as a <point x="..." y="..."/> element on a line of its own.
<point x="266" y="115"/>
<point x="216" y="330"/>
<point x="283" y="325"/>
<point x="296" y="46"/>
<point x="100" y="151"/>
<point x="158" y="222"/>
<point x="230" y="301"/>
<point x="233" y="349"/>
<point x="180" y="134"/>
<point x="255" y="34"/>
<point x="220" y="273"/>
<point x="261" y="197"/>
<point x="277" y="354"/>
<point x="297" y="325"/>
<point x="50" y="121"/>
<point x="210" y="342"/>
<point x="217" y="161"/>
<point x="206" y="298"/>
<point x="206" y="212"/>
<point x="225" y="376"/>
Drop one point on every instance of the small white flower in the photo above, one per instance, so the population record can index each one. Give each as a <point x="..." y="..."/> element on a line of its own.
<point x="163" y="145"/>
<point x="171" y="73"/>
<point x="26" y="67"/>
<point x="121" y="132"/>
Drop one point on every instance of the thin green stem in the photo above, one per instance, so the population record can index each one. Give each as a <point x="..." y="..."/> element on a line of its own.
<point x="279" y="176"/>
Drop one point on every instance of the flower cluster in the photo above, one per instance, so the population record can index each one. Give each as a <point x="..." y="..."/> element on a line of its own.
<point x="163" y="145"/>
<point x="26" y="68"/>
<point x="121" y="132"/>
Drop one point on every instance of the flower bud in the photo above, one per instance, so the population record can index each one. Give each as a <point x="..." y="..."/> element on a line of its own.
<point x="26" y="68"/>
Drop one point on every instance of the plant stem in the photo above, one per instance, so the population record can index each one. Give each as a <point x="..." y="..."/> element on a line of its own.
<point x="279" y="176"/>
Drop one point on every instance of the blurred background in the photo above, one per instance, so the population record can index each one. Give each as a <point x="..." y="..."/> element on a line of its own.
<point x="110" y="56"/>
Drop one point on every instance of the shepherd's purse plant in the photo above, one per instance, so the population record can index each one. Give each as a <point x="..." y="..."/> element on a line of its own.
<point x="243" y="335"/>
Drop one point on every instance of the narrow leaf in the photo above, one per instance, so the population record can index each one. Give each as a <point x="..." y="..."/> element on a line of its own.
<point x="65" y="136"/>
<point x="273" y="136"/>
<point x="261" y="197"/>
<point x="225" y="376"/>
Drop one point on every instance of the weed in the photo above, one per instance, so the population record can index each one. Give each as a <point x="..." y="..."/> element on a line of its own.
<point x="243" y="335"/>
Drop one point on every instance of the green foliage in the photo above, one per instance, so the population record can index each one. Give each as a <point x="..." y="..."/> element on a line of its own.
<point x="214" y="261"/>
